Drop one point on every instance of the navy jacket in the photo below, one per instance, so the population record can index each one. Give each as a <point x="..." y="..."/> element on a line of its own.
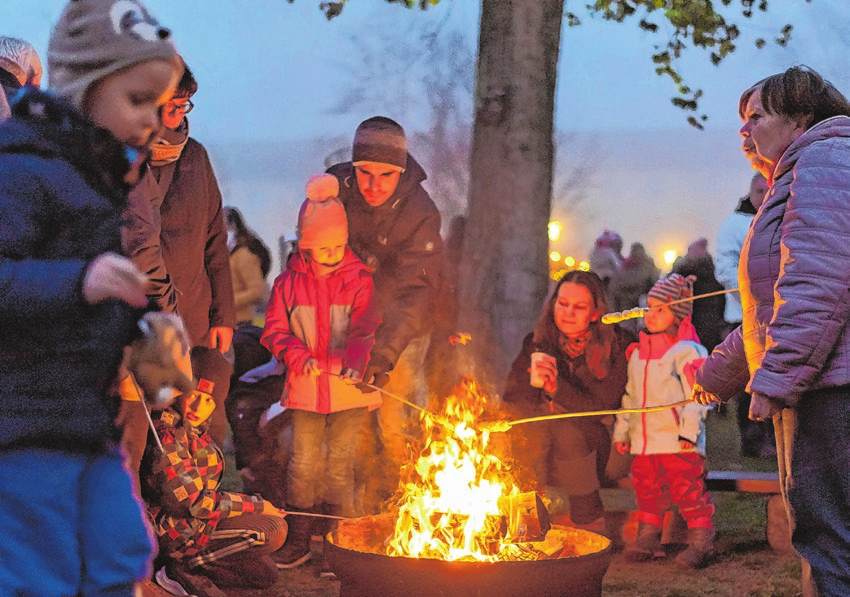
<point x="61" y="195"/>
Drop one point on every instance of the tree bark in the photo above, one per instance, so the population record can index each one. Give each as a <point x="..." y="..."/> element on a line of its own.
<point x="504" y="268"/>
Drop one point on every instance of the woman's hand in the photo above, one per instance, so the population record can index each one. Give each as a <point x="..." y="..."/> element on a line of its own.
<point x="546" y="368"/>
<point x="622" y="447"/>
<point x="763" y="407"/>
<point x="700" y="396"/>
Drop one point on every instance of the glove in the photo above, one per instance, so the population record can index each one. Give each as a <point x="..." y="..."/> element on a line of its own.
<point x="376" y="374"/>
<point x="350" y="376"/>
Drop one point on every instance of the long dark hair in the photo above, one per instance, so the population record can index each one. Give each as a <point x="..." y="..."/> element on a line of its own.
<point x="245" y="237"/>
<point x="597" y="352"/>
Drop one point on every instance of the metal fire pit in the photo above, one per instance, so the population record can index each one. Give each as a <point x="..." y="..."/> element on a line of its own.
<point x="364" y="573"/>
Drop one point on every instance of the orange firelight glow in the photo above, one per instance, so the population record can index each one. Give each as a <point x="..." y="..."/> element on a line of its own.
<point x="451" y="509"/>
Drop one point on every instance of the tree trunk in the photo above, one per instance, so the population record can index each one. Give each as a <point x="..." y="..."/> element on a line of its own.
<point x="504" y="268"/>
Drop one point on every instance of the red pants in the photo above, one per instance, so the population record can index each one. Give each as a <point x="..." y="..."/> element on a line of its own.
<point x="661" y="480"/>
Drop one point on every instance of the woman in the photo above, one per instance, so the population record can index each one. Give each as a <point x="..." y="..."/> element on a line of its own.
<point x="586" y="371"/>
<point x="792" y="351"/>
<point x="250" y="261"/>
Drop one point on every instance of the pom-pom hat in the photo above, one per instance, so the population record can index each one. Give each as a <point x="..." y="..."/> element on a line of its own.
<point x="322" y="221"/>
<point x="673" y="288"/>
<point x="96" y="38"/>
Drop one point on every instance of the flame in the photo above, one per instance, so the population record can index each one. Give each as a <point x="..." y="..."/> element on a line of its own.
<point x="450" y="509"/>
<point x="461" y="338"/>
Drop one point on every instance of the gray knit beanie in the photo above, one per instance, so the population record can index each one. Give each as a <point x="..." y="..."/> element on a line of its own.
<point x="382" y="140"/>
<point x="96" y="38"/>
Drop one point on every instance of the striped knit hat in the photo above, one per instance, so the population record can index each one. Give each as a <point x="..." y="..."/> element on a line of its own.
<point x="672" y="288"/>
<point x="382" y="140"/>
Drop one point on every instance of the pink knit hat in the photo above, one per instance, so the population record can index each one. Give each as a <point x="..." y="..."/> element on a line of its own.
<point x="322" y="221"/>
<point x="673" y="288"/>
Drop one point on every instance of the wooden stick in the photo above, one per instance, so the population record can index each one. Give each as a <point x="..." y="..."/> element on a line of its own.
<point x="148" y="414"/>
<point x="289" y="513"/>
<point x="618" y="316"/>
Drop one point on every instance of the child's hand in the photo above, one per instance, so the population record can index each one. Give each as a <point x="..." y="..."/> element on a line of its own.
<point x="350" y="376"/>
<point x="311" y="367"/>
<point x="622" y="447"/>
<point x="271" y="509"/>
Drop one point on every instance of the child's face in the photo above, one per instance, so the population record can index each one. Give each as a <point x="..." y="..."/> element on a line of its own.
<point x="328" y="256"/>
<point x="659" y="317"/>
<point x="574" y="309"/>
<point x="128" y="102"/>
<point x="198" y="407"/>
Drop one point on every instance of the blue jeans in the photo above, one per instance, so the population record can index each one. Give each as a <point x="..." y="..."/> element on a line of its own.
<point x="308" y="469"/>
<point x="70" y="525"/>
<point x="819" y="493"/>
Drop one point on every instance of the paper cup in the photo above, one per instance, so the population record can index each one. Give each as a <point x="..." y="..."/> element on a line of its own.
<point x="537" y="377"/>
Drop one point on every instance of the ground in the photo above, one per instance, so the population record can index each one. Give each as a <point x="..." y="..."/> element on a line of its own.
<point x="744" y="564"/>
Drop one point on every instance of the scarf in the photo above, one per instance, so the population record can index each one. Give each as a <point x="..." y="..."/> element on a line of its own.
<point x="573" y="346"/>
<point x="169" y="144"/>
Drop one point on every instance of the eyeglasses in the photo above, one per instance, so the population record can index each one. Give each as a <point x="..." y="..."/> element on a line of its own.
<point x="172" y="108"/>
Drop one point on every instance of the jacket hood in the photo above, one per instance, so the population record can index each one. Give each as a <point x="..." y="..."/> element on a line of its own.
<point x="837" y="126"/>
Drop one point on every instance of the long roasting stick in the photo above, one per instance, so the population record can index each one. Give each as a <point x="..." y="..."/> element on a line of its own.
<point x="596" y="413"/>
<point x="640" y="312"/>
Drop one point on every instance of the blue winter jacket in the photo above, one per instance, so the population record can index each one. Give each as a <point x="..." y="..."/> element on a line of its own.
<point x="794" y="278"/>
<point x="61" y="196"/>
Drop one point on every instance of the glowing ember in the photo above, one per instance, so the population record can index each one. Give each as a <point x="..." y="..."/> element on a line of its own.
<point x="453" y="507"/>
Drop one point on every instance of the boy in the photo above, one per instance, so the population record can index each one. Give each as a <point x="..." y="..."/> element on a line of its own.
<point x="321" y="323"/>
<point x="668" y="445"/>
<point x="208" y="537"/>
<point x="69" y="523"/>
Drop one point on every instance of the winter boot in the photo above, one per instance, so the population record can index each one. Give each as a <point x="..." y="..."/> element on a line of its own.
<point x="647" y="545"/>
<point x="700" y="547"/>
<point x="296" y="550"/>
<point x="330" y="525"/>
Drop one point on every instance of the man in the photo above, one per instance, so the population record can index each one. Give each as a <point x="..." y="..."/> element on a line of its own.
<point x="19" y="66"/>
<point x="394" y="228"/>
<point x="756" y="436"/>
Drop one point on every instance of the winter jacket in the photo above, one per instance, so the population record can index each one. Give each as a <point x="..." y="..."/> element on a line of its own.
<point x="578" y="389"/>
<point x="730" y="239"/>
<point x="794" y="278"/>
<point x="331" y="318"/>
<point x="249" y="285"/>
<point x="193" y="242"/>
<point x="400" y="243"/>
<point x="661" y="371"/>
<point x="181" y="487"/>
<point x="61" y="197"/>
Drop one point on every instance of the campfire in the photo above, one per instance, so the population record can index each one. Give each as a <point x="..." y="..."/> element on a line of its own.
<point x="460" y="509"/>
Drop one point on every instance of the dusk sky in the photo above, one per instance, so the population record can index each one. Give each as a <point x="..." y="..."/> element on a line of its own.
<point x="273" y="73"/>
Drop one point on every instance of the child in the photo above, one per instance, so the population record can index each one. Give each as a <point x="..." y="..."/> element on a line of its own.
<point x="668" y="445"/>
<point x="208" y="537"/>
<point x="321" y="323"/>
<point x="69" y="304"/>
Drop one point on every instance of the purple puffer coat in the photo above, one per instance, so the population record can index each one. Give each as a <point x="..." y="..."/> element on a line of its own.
<point x="794" y="278"/>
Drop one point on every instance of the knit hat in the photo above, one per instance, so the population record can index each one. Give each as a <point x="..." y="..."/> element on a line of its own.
<point x="211" y="372"/>
<point x="382" y="140"/>
<point x="96" y="38"/>
<point x="672" y="288"/>
<point x="322" y="221"/>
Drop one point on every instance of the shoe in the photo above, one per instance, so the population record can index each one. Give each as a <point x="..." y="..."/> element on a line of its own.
<point x="326" y="571"/>
<point x="647" y="545"/>
<point x="700" y="547"/>
<point x="243" y="573"/>
<point x="292" y="555"/>
<point x="179" y="581"/>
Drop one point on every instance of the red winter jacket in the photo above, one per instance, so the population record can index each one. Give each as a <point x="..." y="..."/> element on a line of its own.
<point x="332" y="318"/>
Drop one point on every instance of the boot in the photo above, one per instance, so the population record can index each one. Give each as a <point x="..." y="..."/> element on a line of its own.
<point x="700" y="547"/>
<point x="296" y="550"/>
<point x="647" y="545"/>
<point x="330" y="526"/>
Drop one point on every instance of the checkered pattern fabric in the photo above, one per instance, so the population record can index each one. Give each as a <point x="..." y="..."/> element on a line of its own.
<point x="181" y="487"/>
